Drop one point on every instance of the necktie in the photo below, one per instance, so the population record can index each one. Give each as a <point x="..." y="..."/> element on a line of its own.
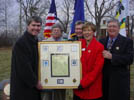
<point x="36" y="39"/>
<point x="110" y="44"/>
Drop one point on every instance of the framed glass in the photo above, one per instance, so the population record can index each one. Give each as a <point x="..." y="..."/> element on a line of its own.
<point x="59" y="64"/>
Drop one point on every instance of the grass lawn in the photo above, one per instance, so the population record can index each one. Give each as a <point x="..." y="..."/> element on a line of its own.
<point x="132" y="82"/>
<point x="5" y="63"/>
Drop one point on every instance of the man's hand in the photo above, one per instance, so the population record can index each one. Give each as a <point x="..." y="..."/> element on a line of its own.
<point x="39" y="86"/>
<point x="80" y="87"/>
<point x="107" y="54"/>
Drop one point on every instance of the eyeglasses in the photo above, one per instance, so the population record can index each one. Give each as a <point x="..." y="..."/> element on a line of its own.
<point x="114" y="26"/>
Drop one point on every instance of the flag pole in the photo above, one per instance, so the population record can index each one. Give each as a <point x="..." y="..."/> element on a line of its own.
<point x="50" y="19"/>
<point x="128" y="35"/>
<point x="128" y="27"/>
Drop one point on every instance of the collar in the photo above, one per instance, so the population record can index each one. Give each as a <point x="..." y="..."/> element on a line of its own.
<point x="31" y="37"/>
<point x="59" y="39"/>
<point x="109" y="39"/>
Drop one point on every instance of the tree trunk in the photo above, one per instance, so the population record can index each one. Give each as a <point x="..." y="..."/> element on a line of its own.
<point x="20" y="18"/>
<point x="98" y="31"/>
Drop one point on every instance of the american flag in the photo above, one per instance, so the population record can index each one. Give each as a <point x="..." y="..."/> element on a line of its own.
<point x="50" y="19"/>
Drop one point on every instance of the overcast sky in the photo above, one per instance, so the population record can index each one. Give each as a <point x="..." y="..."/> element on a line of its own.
<point x="14" y="10"/>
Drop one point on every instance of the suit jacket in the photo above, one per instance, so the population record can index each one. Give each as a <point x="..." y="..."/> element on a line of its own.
<point x="24" y="69"/>
<point x="122" y="51"/>
<point x="92" y="63"/>
<point x="75" y="38"/>
<point x="115" y="71"/>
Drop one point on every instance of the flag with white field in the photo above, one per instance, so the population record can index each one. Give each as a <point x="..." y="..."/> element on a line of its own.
<point x="121" y="14"/>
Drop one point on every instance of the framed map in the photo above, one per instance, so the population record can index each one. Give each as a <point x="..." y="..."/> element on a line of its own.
<point x="59" y="64"/>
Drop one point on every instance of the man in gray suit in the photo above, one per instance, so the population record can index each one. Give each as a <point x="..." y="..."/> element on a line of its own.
<point x="55" y="94"/>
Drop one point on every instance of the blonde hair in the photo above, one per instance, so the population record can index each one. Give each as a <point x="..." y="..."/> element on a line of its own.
<point x="89" y="24"/>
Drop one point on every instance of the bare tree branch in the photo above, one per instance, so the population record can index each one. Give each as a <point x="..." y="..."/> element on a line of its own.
<point x="88" y="9"/>
<point x="99" y="11"/>
<point x="33" y="7"/>
<point x="66" y="9"/>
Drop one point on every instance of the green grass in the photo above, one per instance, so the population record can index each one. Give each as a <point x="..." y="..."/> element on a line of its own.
<point x="132" y="82"/>
<point x="5" y="63"/>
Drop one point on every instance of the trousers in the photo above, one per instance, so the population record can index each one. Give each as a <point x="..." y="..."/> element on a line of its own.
<point x="55" y="94"/>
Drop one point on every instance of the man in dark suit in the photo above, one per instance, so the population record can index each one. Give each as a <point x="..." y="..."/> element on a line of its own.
<point x="78" y="31"/>
<point x="24" y="66"/>
<point x="118" y="56"/>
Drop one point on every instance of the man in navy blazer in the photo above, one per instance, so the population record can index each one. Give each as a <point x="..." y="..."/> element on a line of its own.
<point x="118" y="56"/>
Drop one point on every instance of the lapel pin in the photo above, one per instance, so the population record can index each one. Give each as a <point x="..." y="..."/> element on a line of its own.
<point x="89" y="51"/>
<point x="117" y="48"/>
<point x="83" y="49"/>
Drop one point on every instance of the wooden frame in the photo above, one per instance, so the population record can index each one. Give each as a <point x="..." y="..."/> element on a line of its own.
<point x="59" y="64"/>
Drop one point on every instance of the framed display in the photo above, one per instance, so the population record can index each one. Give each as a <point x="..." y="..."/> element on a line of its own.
<point x="59" y="64"/>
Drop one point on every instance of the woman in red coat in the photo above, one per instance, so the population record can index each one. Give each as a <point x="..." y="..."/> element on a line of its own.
<point x="90" y="87"/>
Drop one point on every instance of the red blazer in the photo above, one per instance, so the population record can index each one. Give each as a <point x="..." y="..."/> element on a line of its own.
<point x="92" y="63"/>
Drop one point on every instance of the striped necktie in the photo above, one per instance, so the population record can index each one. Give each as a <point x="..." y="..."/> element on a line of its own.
<point x="110" y="45"/>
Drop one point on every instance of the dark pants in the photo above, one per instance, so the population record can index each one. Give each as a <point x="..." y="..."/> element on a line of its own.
<point x="116" y="83"/>
<point x="78" y="98"/>
<point x="55" y="94"/>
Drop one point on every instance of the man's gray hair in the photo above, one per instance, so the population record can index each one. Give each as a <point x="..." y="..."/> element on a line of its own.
<point x="79" y="22"/>
<point x="34" y="18"/>
<point x="57" y="25"/>
<point x="113" y="20"/>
